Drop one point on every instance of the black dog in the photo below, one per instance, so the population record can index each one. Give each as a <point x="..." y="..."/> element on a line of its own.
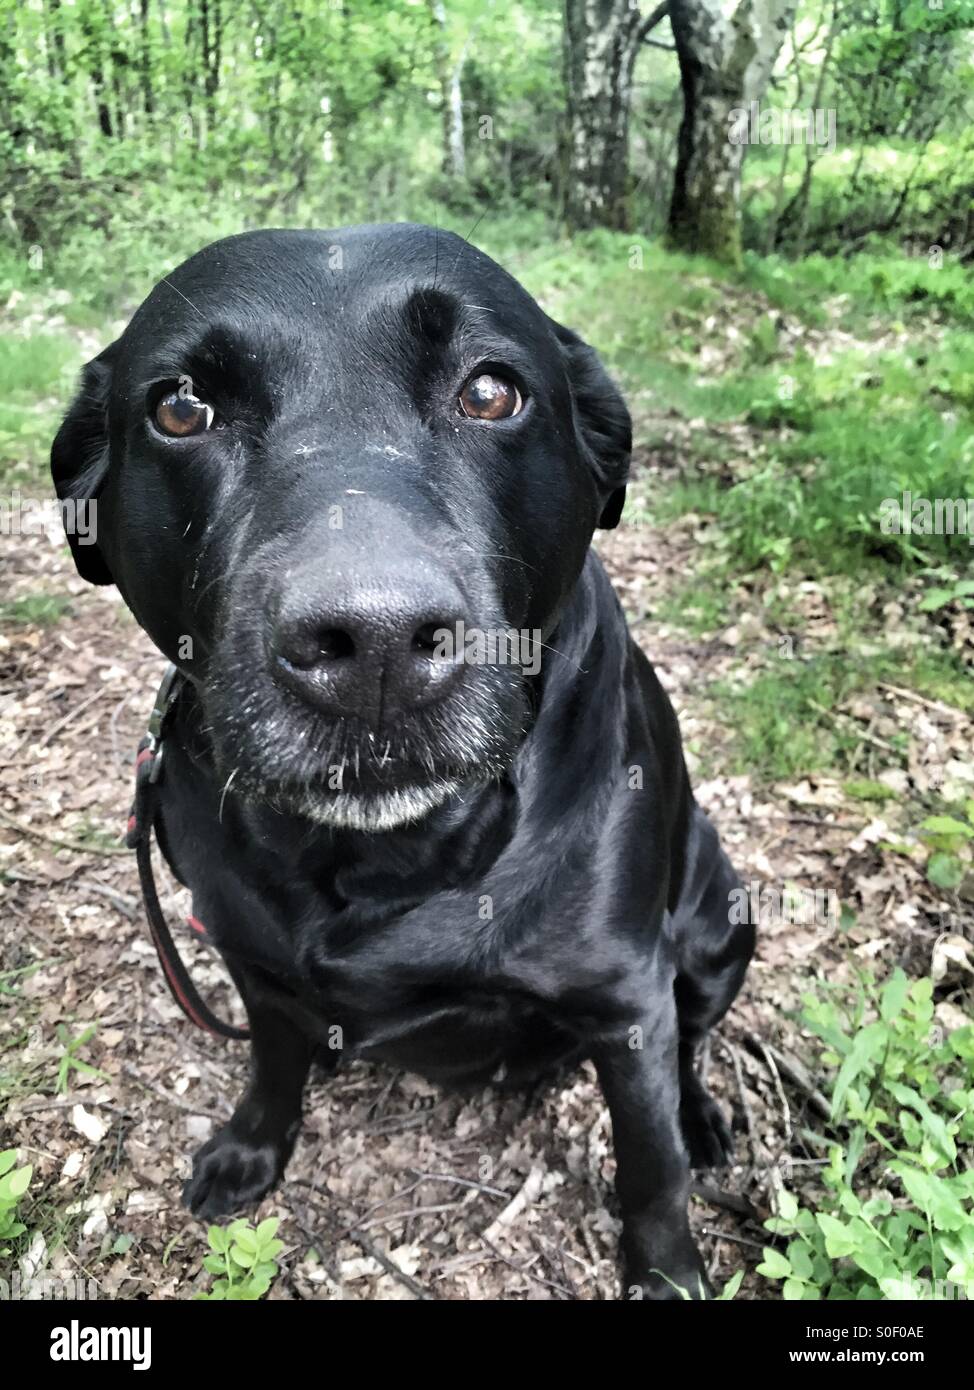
<point x="314" y="453"/>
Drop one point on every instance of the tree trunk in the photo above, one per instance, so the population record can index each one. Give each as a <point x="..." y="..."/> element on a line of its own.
<point x="455" y="145"/>
<point x="451" y="96"/>
<point x="96" y="61"/>
<point x="145" y="58"/>
<point x="726" y="56"/>
<point x="602" y="38"/>
<point x="54" y="40"/>
<point x="211" y="18"/>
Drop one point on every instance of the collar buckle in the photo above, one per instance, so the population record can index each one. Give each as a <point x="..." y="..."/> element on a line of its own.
<point x="165" y="698"/>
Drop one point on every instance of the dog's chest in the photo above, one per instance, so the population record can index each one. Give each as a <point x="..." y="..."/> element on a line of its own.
<point x="423" y="992"/>
<point x="452" y="1031"/>
<point x="504" y="973"/>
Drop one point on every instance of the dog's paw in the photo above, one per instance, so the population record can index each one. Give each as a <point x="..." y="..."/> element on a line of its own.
<point x="231" y="1174"/>
<point x="705" y="1131"/>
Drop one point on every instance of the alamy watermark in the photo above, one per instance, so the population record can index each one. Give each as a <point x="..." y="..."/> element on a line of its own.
<point x="766" y="904"/>
<point x="49" y="516"/>
<point x="47" y="1289"/>
<point x="908" y="515"/>
<point x="752" y="125"/>
<point x="77" y="1343"/>
<point x="492" y="646"/>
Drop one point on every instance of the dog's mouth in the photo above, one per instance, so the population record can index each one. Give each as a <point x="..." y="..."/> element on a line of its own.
<point x="359" y="807"/>
<point x="342" y="774"/>
<point x="374" y="795"/>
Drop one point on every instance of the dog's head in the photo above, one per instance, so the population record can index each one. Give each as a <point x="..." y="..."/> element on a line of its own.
<point x="346" y="481"/>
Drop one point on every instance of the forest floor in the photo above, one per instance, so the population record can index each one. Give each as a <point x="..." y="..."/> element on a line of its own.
<point x="396" y="1190"/>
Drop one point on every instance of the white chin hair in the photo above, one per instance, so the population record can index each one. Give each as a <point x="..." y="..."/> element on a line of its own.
<point x="381" y="811"/>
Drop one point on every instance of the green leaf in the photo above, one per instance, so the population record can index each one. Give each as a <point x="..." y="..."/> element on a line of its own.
<point x="900" y="1287"/>
<point x="947" y="825"/>
<point x="219" y="1239"/>
<point x="934" y="599"/>
<point x="849" y="1202"/>
<point x="872" y="1261"/>
<point x="876" y="1206"/>
<point x="245" y="1238"/>
<point x="729" y="1291"/>
<point x="936" y="1128"/>
<point x="777" y="1227"/>
<point x="800" y="1259"/>
<point x="775" y="1266"/>
<point x="933" y="1195"/>
<point x="866" y="1047"/>
<point x="840" y="1240"/>
<point x="787" y="1205"/>
<point x="945" y="870"/>
<point x="893" y="995"/>
<point x="864" y="790"/>
<point x="17" y="1183"/>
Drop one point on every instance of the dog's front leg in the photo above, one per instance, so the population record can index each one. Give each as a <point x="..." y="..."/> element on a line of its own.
<point x="639" y="1074"/>
<point x="246" y="1158"/>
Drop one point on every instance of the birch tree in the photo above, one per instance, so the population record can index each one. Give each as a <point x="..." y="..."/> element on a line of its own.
<point x="727" y="52"/>
<point x="602" y="38"/>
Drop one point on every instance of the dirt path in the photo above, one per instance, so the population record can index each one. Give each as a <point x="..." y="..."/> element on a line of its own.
<point x="489" y="1197"/>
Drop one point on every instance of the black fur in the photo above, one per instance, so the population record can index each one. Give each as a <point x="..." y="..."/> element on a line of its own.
<point x="562" y="896"/>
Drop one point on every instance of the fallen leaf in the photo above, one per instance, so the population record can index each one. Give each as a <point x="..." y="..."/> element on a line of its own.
<point x="93" y="1128"/>
<point x="952" y="955"/>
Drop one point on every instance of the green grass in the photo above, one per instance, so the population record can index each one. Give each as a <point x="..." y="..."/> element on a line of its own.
<point x="31" y="366"/>
<point x="38" y="375"/>
<point x="870" y="284"/>
<point x="777" y="706"/>
<point x="699" y="608"/>
<point x="35" y="610"/>
<point x="53" y="1212"/>
<point x="838" y="429"/>
<point x="783" y="722"/>
<point x="892" y="1215"/>
<point x="864" y="789"/>
<point x="639" y="305"/>
<point x="862" y="429"/>
<point x="778" y="728"/>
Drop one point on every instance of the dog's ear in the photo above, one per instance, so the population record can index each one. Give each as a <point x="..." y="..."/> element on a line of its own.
<point x="602" y="423"/>
<point x="79" y="460"/>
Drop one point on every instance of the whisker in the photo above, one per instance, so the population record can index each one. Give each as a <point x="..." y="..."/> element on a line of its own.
<point x="564" y="656"/>
<point x="183" y="297"/>
<point x="225" y="790"/>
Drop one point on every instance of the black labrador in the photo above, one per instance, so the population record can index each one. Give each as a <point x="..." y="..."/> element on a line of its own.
<point x="347" y="482"/>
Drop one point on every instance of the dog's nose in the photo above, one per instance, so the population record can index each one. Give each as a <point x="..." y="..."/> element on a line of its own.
<point x="372" y="649"/>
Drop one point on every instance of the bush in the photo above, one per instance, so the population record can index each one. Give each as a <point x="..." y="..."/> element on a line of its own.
<point x="244" y="1259"/>
<point x="896" y="1216"/>
<point x="14" y="1182"/>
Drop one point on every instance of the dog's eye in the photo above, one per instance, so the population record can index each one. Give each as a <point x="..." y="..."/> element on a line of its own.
<point x="180" y="415"/>
<point x="490" y="397"/>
